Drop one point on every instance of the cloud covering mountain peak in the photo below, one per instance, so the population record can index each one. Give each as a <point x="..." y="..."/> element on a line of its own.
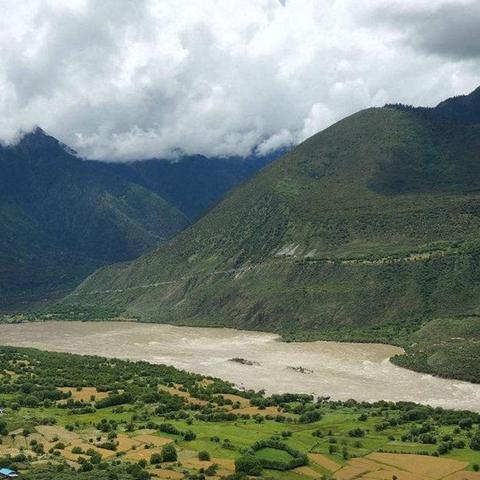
<point x="123" y="79"/>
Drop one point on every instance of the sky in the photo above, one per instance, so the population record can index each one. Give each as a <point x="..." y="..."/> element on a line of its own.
<point x="131" y="79"/>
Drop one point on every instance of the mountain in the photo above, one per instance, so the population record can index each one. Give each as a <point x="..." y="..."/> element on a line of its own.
<point x="196" y="183"/>
<point x="464" y="108"/>
<point x="369" y="230"/>
<point x="62" y="217"/>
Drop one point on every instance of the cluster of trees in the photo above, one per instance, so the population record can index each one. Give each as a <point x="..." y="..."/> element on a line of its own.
<point x="249" y="463"/>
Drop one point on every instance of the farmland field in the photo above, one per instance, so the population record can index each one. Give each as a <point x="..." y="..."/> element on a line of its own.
<point x="81" y="415"/>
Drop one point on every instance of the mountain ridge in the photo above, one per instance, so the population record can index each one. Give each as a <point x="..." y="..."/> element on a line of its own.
<point x="64" y="216"/>
<point x="366" y="231"/>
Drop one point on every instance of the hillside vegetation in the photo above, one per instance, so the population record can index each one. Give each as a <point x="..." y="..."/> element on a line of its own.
<point x="63" y="217"/>
<point x="367" y="231"/>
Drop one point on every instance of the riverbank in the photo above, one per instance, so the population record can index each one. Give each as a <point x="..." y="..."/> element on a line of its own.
<point x="339" y="370"/>
<point x="447" y="348"/>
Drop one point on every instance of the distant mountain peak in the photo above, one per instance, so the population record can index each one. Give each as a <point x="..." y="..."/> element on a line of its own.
<point x="38" y="131"/>
<point x="36" y="134"/>
<point x="463" y="108"/>
<point x="38" y="138"/>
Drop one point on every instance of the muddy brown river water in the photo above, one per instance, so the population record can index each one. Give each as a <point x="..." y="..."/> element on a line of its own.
<point x="340" y="370"/>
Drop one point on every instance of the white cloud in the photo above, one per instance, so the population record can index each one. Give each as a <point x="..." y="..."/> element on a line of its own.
<point x="123" y="79"/>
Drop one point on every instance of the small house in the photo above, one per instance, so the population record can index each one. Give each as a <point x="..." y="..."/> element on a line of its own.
<point x="8" y="473"/>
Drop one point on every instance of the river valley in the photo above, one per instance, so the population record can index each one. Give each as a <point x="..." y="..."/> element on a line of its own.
<point x="253" y="360"/>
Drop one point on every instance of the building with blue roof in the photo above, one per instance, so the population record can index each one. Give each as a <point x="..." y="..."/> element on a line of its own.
<point x="8" y="473"/>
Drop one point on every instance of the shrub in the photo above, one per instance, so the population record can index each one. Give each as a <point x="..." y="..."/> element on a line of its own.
<point x="211" y="470"/>
<point x="155" y="458"/>
<point x="188" y="435"/>
<point x="168" y="428"/>
<point x="332" y="449"/>
<point x="169" y="453"/>
<point x="249" y="465"/>
<point x="203" y="456"/>
<point x="475" y="442"/>
<point x="310" y="416"/>
<point x="86" y="467"/>
<point x="113" y="400"/>
<point x="465" y="423"/>
<point x="357" y="433"/>
<point x="428" y="438"/>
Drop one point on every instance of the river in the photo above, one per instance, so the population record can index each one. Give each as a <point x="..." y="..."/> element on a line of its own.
<point x="340" y="370"/>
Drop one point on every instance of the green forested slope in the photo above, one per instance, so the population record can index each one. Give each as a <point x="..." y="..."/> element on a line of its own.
<point x="62" y="217"/>
<point x="367" y="230"/>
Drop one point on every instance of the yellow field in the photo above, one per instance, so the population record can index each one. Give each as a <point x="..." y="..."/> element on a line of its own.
<point x="176" y="391"/>
<point x="5" y="450"/>
<point x="464" y="476"/>
<point x="244" y="402"/>
<point x="51" y="432"/>
<point x="351" y="471"/>
<point x="194" y="462"/>
<point x="307" y="472"/>
<point x="67" y="453"/>
<point x="85" y="394"/>
<point x="431" y="467"/>
<point x="142" y="453"/>
<point x="126" y="443"/>
<point x="87" y="446"/>
<point x="153" y="439"/>
<point x="383" y="466"/>
<point x="324" y="462"/>
<point x="256" y="411"/>
<point x="167" y="474"/>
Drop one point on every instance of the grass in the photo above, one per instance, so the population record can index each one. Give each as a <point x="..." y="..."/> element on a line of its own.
<point x="273" y="454"/>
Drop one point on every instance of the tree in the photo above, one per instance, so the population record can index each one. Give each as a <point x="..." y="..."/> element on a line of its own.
<point x="3" y="428"/>
<point x="189" y="435"/>
<point x="332" y="449"/>
<point x="203" y="456"/>
<point x="475" y="441"/>
<point x="310" y="416"/>
<point x="156" y="458"/>
<point x="248" y="464"/>
<point x="86" y="467"/>
<point x="211" y="470"/>
<point x="356" y="432"/>
<point x="169" y="453"/>
<point x="465" y="423"/>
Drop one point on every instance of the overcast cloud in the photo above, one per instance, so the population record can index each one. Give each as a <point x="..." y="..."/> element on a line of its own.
<point x="128" y="79"/>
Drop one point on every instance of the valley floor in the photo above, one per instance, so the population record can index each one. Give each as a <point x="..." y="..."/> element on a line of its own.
<point x="90" y="417"/>
<point x="253" y="360"/>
